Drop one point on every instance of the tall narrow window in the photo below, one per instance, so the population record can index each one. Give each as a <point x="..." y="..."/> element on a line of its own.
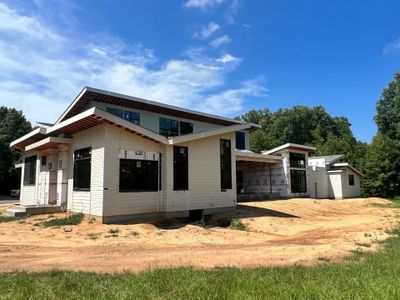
<point x="30" y="170"/>
<point x="138" y="175"/>
<point x="240" y="140"/>
<point x="298" y="181"/>
<point x="297" y="160"/>
<point x="169" y="127"/>
<point x="351" y="179"/>
<point x="82" y="166"/>
<point x="181" y="169"/>
<point x="225" y="164"/>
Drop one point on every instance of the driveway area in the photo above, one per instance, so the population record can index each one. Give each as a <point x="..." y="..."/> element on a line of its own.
<point x="284" y="232"/>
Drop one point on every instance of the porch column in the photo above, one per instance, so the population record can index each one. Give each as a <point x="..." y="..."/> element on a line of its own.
<point x="62" y="175"/>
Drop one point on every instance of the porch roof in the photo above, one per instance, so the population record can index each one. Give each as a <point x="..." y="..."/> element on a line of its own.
<point x="246" y="155"/>
<point x="29" y="138"/>
<point x="50" y="142"/>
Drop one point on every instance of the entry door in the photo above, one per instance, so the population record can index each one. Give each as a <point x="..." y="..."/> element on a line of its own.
<point x="239" y="181"/>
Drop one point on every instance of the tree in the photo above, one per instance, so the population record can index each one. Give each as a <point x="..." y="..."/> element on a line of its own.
<point x="13" y="125"/>
<point x="388" y="110"/>
<point x="382" y="176"/>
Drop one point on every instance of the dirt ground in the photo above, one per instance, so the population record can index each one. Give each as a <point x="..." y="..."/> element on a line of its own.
<point x="303" y="231"/>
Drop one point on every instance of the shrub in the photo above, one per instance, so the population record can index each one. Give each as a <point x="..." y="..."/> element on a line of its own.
<point x="74" y="219"/>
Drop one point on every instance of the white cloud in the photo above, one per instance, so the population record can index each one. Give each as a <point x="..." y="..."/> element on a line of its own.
<point x="203" y="4"/>
<point x="207" y="31"/>
<point x="220" y="41"/>
<point x="393" y="46"/>
<point x="42" y="76"/>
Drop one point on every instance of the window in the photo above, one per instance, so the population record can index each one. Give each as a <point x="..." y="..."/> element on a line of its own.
<point x="351" y="179"/>
<point x="30" y="170"/>
<point x="185" y="128"/>
<point x="298" y="181"/>
<point x="138" y="175"/>
<point x="44" y="160"/>
<point x="132" y="116"/>
<point x="82" y="166"/>
<point x="169" y="127"/>
<point x="115" y="111"/>
<point x="240" y="140"/>
<point x="225" y="164"/>
<point x="297" y="160"/>
<point x="181" y="169"/>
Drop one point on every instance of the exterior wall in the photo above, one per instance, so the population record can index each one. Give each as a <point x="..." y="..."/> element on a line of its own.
<point x="351" y="191"/>
<point x="318" y="182"/>
<point x="88" y="202"/>
<point x="125" y="203"/>
<point x="263" y="178"/>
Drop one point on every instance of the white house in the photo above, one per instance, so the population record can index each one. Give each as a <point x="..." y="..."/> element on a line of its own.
<point x="331" y="178"/>
<point x="119" y="157"/>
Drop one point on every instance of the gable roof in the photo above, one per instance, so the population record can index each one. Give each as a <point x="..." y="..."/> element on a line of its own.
<point x="329" y="159"/>
<point x="290" y="146"/>
<point x="89" y="94"/>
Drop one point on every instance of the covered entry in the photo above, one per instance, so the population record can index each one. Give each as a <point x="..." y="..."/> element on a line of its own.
<point x="257" y="176"/>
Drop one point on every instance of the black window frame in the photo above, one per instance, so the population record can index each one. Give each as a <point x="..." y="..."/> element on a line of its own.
<point x="185" y="128"/>
<point x="226" y="164"/>
<point x="181" y="168"/>
<point x="296" y="184"/>
<point x="240" y="140"/>
<point x="351" y="180"/>
<point x="138" y="175"/>
<point x="82" y="168"/>
<point x="30" y="170"/>
<point x="132" y="116"/>
<point x="295" y="160"/>
<point x="168" y="127"/>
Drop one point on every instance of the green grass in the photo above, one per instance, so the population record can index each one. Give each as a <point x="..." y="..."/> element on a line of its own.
<point x="74" y="219"/>
<point x="366" y="276"/>
<point x="237" y="225"/>
<point x="4" y="219"/>
<point x="395" y="203"/>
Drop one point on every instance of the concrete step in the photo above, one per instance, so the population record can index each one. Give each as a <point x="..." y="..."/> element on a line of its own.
<point x="15" y="212"/>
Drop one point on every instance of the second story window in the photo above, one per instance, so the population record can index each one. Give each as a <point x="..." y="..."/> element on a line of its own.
<point x="131" y="116"/>
<point x="297" y="160"/>
<point x="185" y="128"/>
<point x="169" y="127"/>
<point x="240" y="140"/>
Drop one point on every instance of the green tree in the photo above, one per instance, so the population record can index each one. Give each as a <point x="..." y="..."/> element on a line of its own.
<point x="382" y="177"/>
<point x="13" y="125"/>
<point x="388" y="110"/>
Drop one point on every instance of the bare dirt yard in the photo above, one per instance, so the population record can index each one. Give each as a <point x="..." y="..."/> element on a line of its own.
<point x="303" y="231"/>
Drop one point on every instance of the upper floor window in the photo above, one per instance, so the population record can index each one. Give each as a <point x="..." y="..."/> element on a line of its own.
<point x="30" y="170"/>
<point x="169" y="127"/>
<point x="130" y="116"/>
<point x="82" y="166"/>
<point x="240" y="140"/>
<point x="351" y="179"/>
<point x="297" y="160"/>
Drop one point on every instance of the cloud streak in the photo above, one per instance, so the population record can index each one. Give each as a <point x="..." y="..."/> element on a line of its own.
<point x="41" y="73"/>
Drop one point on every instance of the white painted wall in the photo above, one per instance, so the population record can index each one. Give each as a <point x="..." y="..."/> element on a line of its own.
<point x="318" y="182"/>
<point x="351" y="191"/>
<point x="29" y="193"/>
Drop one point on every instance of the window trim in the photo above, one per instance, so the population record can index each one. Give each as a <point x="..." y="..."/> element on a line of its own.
<point x="32" y="160"/>
<point x="185" y="172"/>
<point x="76" y="188"/>
<point x="225" y="185"/>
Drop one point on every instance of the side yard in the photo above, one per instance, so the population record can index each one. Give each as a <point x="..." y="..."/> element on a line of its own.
<point x="258" y="234"/>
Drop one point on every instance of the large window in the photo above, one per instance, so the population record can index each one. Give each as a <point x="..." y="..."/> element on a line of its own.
<point x="181" y="169"/>
<point x="130" y="116"/>
<point x="138" y="175"/>
<point x="169" y="127"/>
<point x="225" y="164"/>
<point x="297" y="160"/>
<point x="240" y="140"/>
<point x="298" y="181"/>
<point x="351" y="179"/>
<point x="82" y="166"/>
<point x="30" y="170"/>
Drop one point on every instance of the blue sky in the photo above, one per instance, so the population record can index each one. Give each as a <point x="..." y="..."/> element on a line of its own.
<point x="218" y="56"/>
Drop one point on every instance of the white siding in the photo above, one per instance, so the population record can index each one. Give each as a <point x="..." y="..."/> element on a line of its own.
<point x="351" y="191"/>
<point x="116" y="203"/>
<point x="29" y="193"/>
